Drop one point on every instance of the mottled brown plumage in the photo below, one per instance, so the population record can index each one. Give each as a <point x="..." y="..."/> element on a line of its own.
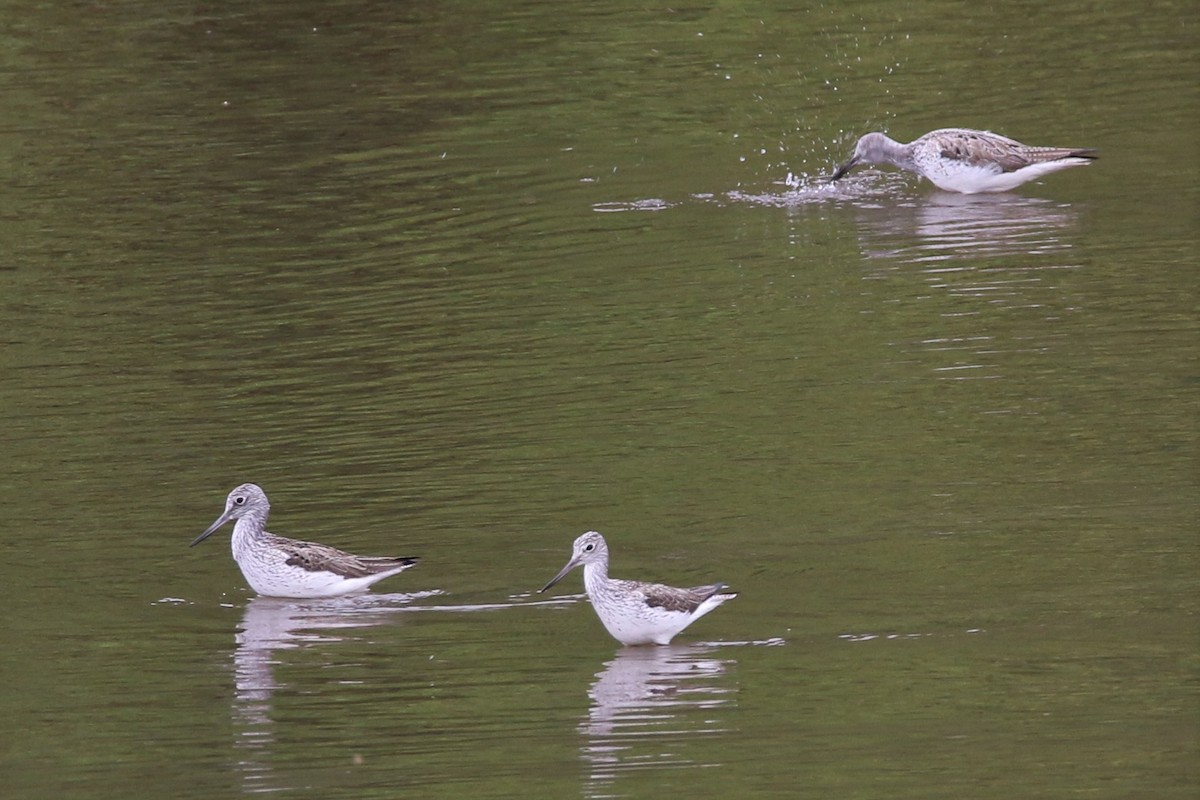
<point x="981" y="148"/>
<point x="317" y="557"/>
<point x="671" y="599"/>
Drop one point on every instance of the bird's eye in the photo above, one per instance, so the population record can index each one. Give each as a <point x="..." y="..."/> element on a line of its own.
<point x="589" y="547"/>
<point x="239" y="500"/>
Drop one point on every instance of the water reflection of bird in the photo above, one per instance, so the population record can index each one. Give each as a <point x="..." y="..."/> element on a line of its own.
<point x="270" y="625"/>
<point x="967" y="161"/>
<point x="946" y="227"/>
<point x="635" y="612"/>
<point x="280" y="567"/>
<point x="643" y="696"/>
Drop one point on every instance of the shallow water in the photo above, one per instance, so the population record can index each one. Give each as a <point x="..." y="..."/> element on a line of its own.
<point x="465" y="282"/>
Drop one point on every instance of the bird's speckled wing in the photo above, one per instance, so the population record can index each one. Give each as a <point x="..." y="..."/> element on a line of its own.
<point x="670" y="598"/>
<point x="983" y="149"/>
<point x="317" y="557"/>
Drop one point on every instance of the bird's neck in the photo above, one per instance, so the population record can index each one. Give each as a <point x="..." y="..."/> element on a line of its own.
<point x="594" y="576"/>
<point x="249" y="527"/>
<point x="893" y="152"/>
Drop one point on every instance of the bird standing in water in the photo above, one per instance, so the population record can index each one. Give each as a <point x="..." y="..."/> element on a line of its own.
<point x="281" y="567"/>
<point x="635" y="612"/>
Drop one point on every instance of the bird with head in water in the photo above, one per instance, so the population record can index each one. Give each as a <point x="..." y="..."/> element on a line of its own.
<point x="965" y="160"/>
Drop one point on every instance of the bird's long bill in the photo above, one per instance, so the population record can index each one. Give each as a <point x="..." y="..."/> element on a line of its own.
<point x="562" y="573"/>
<point x="843" y="169"/>
<point x="221" y="520"/>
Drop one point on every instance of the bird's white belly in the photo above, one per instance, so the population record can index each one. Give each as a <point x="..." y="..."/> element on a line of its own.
<point x="967" y="179"/>
<point x="643" y="625"/>
<point x="295" y="582"/>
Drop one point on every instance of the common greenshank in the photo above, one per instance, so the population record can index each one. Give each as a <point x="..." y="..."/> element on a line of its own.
<point x="967" y="161"/>
<point x="635" y="612"/>
<point x="280" y="567"/>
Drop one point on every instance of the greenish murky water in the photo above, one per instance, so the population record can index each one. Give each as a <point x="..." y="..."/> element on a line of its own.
<point x="465" y="280"/>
